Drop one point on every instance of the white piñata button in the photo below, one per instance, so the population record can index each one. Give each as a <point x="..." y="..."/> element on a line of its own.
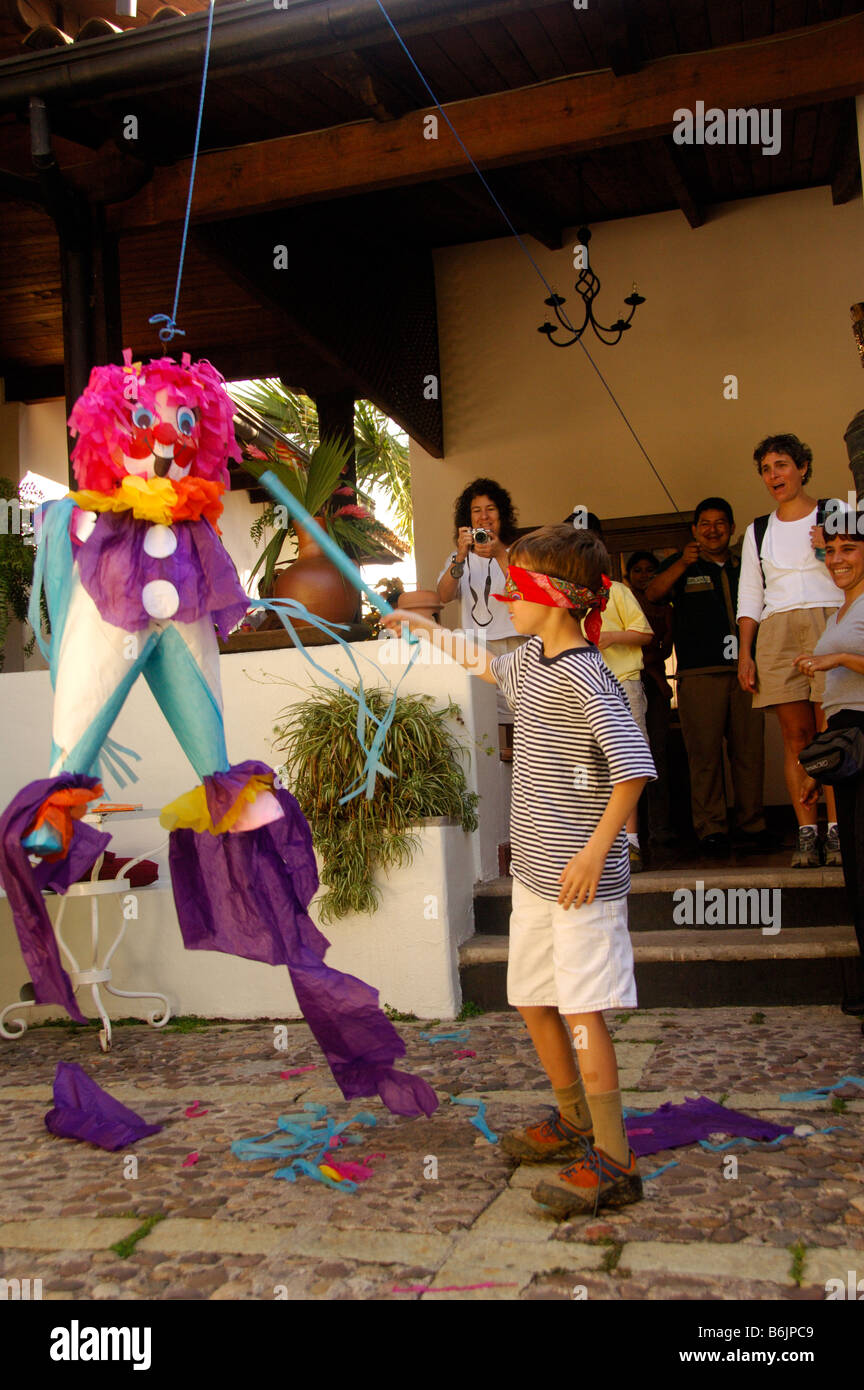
<point x="160" y="598"/>
<point x="160" y="541"/>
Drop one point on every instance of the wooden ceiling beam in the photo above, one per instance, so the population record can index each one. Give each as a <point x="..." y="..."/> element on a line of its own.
<point x="349" y="72"/>
<point x="669" y="170"/>
<point x="846" y="171"/>
<point x="525" y="216"/>
<point x="821" y="63"/>
<point x="29" y="384"/>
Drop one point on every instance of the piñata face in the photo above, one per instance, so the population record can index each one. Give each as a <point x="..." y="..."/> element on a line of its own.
<point x="159" y="419"/>
<point x="164" y="439"/>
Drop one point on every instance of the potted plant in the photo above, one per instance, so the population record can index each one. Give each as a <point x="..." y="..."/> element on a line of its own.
<point x="323" y="761"/>
<point x="381" y="456"/>
<point x="17" y="556"/>
<point x="312" y="579"/>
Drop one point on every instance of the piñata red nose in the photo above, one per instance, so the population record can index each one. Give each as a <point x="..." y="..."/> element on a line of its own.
<point x="164" y="433"/>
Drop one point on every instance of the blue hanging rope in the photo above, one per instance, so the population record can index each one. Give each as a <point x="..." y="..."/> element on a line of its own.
<point x="485" y="182"/>
<point x="170" y="329"/>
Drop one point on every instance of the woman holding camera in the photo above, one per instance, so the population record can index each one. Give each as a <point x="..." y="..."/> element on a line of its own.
<point x="484" y="526"/>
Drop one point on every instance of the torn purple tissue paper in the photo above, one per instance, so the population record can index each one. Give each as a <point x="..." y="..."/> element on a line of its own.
<point x="82" y="1110"/>
<point x="673" y="1126"/>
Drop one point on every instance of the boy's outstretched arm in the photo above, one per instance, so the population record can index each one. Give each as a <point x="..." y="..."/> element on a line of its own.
<point x="580" y="878"/>
<point x="467" y="652"/>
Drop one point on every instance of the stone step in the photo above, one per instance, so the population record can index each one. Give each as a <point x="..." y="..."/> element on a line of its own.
<point x="808" y="897"/>
<point x="701" y="968"/>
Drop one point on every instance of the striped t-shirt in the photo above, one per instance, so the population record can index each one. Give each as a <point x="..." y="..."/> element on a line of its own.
<point x="574" y="737"/>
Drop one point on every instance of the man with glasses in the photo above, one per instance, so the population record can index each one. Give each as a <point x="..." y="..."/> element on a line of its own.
<point x="702" y="584"/>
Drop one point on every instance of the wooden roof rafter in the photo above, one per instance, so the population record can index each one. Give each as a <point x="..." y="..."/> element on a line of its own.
<point x="566" y="116"/>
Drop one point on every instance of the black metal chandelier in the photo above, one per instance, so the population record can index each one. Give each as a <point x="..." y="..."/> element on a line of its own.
<point x="588" y="286"/>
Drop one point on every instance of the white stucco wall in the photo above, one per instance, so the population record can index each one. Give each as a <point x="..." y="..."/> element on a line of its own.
<point x="404" y="950"/>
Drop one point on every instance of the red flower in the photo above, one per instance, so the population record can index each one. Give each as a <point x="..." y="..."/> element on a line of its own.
<point x="353" y="510"/>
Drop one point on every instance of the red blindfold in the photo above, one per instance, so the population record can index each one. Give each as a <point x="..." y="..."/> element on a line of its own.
<point x="557" y="593"/>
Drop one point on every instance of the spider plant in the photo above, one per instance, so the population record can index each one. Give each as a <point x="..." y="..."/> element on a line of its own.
<point x="323" y="759"/>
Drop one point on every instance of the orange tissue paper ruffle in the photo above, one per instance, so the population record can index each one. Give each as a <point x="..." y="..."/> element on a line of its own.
<point x="158" y="500"/>
<point x="60" y="809"/>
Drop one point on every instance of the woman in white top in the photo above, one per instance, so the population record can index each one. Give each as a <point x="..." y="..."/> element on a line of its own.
<point x="840" y="654"/>
<point x="484" y="526"/>
<point x="787" y="594"/>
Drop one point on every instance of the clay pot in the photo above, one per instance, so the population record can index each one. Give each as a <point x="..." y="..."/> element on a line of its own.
<point x="314" y="581"/>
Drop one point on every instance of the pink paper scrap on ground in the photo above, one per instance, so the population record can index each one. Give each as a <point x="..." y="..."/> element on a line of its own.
<point x="295" y="1071"/>
<point x="466" y="1052"/>
<point x="448" y="1288"/>
<point x="192" y="1111"/>
<point x="354" y="1172"/>
<point x="189" y="1161"/>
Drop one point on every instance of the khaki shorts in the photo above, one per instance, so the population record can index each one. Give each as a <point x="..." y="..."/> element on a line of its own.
<point x="782" y="637"/>
<point x="578" y="960"/>
<point x="638" y="702"/>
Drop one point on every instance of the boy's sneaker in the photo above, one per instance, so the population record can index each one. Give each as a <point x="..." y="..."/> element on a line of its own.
<point x="806" y="855"/>
<point x="831" y="849"/>
<point x="592" y="1182"/>
<point x="547" y="1141"/>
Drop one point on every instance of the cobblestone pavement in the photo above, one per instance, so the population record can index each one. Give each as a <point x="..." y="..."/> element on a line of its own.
<point x="229" y="1230"/>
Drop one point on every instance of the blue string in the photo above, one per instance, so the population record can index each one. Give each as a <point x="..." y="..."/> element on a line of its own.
<point x="171" y="329"/>
<point x="523" y="247"/>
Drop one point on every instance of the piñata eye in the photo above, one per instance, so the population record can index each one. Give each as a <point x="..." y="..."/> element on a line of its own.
<point x="185" y="419"/>
<point x="142" y="417"/>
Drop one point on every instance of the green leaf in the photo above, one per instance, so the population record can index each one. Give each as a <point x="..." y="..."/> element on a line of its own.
<point x="325" y="470"/>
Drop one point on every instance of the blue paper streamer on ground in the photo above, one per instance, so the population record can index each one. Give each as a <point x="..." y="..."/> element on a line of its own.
<point x="458" y="1036"/>
<point x="673" y="1163"/>
<point x="302" y="1165"/>
<point x="820" y="1092"/>
<point x="301" y="1136"/>
<point x="762" y="1143"/>
<point x="478" y="1120"/>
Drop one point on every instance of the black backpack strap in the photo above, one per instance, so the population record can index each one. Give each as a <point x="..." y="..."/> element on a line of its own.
<point x="760" y="526"/>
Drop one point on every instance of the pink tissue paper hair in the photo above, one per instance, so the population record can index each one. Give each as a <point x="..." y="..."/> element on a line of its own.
<point x="101" y="418"/>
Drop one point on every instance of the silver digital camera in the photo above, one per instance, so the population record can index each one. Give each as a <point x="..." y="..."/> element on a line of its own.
<point x="481" y="535"/>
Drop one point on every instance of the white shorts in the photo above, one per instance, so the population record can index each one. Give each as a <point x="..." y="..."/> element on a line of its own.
<point x="578" y="960"/>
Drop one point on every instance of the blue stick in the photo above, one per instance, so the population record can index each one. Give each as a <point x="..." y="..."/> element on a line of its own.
<point x="345" y="566"/>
